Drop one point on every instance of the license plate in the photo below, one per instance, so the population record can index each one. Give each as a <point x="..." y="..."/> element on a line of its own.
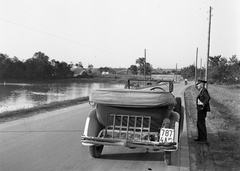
<point x="166" y="135"/>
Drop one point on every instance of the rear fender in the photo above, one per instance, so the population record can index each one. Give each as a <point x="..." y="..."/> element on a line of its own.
<point x="174" y="117"/>
<point x="92" y="126"/>
<point x="174" y="124"/>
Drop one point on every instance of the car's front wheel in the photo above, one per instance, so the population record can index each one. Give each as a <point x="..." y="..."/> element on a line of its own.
<point x="95" y="151"/>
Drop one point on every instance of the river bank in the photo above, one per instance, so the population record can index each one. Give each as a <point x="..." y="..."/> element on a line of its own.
<point x="99" y="79"/>
<point x="17" y="95"/>
<point x="23" y="113"/>
<point x="222" y="152"/>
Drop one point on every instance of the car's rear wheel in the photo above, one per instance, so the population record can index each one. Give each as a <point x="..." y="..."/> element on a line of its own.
<point x="178" y="107"/>
<point x="95" y="151"/>
<point x="180" y="111"/>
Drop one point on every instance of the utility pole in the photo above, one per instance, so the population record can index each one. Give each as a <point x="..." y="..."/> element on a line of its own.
<point x="200" y="75"/>
<point x="209" y="32"/>
<point x="196" y="66"/>
<point x="176" y="72"/>
<point x="145" y="64"/>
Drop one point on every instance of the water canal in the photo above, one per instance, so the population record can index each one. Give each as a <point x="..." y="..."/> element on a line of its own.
<point x="17" y="96"/>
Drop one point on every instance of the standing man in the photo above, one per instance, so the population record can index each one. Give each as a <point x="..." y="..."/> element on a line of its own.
<point x="203" y="107"/>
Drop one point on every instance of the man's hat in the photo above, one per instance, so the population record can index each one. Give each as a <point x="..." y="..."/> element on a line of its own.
<point x="201" y="81"/>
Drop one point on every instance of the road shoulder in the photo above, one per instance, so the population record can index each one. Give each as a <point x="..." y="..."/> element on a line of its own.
<point x="218" y="154"/>
<point x="199" y="154"/>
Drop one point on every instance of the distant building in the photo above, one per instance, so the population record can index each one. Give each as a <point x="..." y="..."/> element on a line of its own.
<point x="78" y="71"/>
<point x="105" y="73"/>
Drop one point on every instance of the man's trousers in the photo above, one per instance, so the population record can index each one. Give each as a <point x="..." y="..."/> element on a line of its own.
<point x="201" y="125"/>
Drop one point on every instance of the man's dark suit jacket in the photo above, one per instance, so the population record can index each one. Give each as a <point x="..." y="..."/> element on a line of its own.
<point x="204" y="98"/>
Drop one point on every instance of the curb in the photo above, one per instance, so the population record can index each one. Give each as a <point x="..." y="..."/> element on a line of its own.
<point x="184" y="156"/>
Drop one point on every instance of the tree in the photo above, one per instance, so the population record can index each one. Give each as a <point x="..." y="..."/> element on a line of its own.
<point x="90" y="66"/>
<point x="188" y="72"/>
<point x="133" y="69"/>
<point x="148" y="69"/>
<point x="11" y="67"/>
<point x="218" y="69"/>
<point x="39" y="67"/>
<point x="233" y="69"/>
<point x="104" y="69"/>
<point x="89" y="70"/>
<point x="233" y="60"/>
<point x="16" y="69"/>
<point x="36" y="68"/>
<point x="31" y="65"/>
<point x="141" y="63"/>
<point x="79" y="64"/>
<point x="61" y="69"/>
<point x="3" y="65"/>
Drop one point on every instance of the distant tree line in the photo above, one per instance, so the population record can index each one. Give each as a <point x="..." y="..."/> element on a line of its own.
<point x="36" y="68"/>
<point x="220" y="70"/>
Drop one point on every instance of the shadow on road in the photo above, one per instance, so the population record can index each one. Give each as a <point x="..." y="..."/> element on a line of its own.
<point x="150" y="156"/>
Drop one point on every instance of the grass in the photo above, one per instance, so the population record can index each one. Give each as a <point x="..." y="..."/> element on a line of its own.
<point x="23" y="113"/>
<point x="223" y="126"/>
<point x="225" y="120"/>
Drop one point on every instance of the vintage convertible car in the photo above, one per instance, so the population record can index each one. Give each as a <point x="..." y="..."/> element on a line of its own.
<point x="143" y="115"/>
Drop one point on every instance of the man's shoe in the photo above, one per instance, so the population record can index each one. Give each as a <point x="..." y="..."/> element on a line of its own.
<point x="197" y="139"/>
<point x="204" y="142"/>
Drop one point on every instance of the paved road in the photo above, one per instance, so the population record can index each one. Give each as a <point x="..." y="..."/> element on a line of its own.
<point x="52" y="141"/>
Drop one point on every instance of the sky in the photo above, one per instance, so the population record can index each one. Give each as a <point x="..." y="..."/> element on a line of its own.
<point x="115" y="33"/>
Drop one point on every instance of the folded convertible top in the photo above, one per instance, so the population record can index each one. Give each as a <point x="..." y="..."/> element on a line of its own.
<point x="132" y="98"/>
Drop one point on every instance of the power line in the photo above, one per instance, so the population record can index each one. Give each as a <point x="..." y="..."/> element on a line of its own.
<point x="51" y="10"/>
<point x="76" y="19"/>
<point x="59" y="37"/>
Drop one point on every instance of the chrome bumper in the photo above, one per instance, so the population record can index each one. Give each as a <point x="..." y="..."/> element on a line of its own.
<point x="88" y="141"/>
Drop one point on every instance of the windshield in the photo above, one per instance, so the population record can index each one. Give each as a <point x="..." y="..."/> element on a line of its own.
<point x="164" y="85"/>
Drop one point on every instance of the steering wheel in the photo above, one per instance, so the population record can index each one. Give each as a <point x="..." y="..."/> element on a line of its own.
<point x="157" y="88"/>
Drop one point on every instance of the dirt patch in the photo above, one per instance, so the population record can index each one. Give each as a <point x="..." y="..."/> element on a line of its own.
<point x="223" y="126"/>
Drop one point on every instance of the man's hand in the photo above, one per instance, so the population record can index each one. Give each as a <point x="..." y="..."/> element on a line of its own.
<point x="199" y="102"/>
